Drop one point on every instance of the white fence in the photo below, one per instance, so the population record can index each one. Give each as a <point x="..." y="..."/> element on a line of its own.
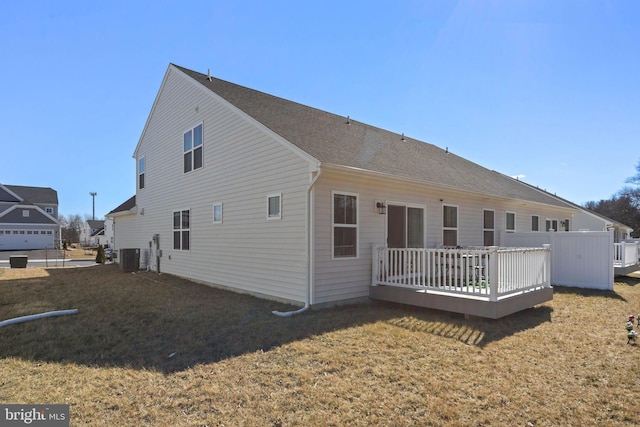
<point x="626" y="253"/>
<point x="578" y="259"/>
<point x="490" y="273"/>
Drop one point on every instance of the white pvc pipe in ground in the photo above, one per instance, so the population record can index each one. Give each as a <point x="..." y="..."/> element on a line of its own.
<point x="37" y="316"/>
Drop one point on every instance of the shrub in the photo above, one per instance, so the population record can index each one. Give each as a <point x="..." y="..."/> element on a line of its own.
<point x="100" y="256"/>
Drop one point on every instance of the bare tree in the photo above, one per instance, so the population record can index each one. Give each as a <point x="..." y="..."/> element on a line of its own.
<point x="624" y="206"/>
<point x="71" y="226"/>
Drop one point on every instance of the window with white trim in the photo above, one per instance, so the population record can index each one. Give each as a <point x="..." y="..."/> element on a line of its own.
<point x="217" y="213"/>
<point x="535" y="223"/>
<point x="449" y="225"/>
<point x="551" y="225"/>
<point x="274" y="206"/>
<point x="192" y="147"/>
<point x="181" y="230"/>
<point x="488" y="226"/>
<point x="141" y="168"/>
<point x="510" y="222"/>
<point x="49" y="210"/>
<point x="345" y="225"/>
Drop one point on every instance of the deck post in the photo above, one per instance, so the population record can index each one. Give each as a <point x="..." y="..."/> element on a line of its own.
<point x="493" y="275"/>
<point x="547" y="265"/>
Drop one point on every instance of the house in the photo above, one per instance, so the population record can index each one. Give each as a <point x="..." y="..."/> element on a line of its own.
<point x="588" y="220"/>
<point x="106" y="237"/>
<point x="90" y="232"/>
<point x="28" y="218"/>
<point x="259" y="194"/>
<point x="123" y="218"/>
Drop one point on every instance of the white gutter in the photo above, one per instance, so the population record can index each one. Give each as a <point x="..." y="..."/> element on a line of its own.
<point x="310" y="250"/>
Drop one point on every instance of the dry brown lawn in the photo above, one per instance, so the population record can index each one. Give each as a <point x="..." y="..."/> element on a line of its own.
<point x="158" y="350"/>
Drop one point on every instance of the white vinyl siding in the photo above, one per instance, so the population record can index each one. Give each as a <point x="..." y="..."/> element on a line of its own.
<point x="337" y="280"/>
<point x="242" y="164"/>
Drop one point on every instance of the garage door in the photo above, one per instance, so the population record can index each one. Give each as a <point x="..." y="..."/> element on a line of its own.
<point x="25" y="239"/>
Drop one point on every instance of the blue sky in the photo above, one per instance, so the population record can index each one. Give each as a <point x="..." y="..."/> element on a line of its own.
<point x="546" y="90"/>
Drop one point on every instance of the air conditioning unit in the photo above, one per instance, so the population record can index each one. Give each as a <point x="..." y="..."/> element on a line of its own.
<point x="129" y="260"/>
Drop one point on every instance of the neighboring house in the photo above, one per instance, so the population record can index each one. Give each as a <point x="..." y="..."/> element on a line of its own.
<point x="588" y="220"/>
<point x="106" y="238"/>
<point x="238" y="188"/>
<point x="123" y="225"/>
<point x="28" y="218"/>
<point x="90" y="232"/>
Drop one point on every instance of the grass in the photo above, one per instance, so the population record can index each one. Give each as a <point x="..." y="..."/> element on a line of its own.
<point x="158" y="350"/>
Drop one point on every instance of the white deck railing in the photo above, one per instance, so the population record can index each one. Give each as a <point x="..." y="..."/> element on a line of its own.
<point x="626" y="254"/>
<point x="490" y="272"/>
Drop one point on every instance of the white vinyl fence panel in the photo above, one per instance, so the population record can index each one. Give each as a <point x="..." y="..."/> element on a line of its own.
<point x="578" y="259"/>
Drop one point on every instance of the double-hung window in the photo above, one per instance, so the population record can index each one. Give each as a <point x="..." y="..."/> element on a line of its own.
<point x="449" y="225"/>
<point x="181" y="230"/>
<point x="141" y="173"/>
<point x="510" y="222"/>
<point x="345" y="225"/>
<point x="535" y="223"/>
<point x="488" y="227"/>
<point x="192" y="145"/>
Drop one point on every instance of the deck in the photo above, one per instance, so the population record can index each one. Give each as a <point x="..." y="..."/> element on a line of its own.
<point x="487" y="282"/>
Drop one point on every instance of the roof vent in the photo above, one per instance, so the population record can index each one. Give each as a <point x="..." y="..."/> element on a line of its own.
<point x="348" y="120"/>
<point x="403" y="138"/>
<point x="209" y="74"/>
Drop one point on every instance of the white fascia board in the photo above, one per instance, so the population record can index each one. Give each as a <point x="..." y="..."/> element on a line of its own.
<point x="153" y="107"/>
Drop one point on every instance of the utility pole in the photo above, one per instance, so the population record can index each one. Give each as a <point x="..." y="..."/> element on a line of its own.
<point x="93" y="196"/>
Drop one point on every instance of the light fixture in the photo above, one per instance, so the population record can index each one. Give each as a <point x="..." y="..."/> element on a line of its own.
<point x="382" y="208"/>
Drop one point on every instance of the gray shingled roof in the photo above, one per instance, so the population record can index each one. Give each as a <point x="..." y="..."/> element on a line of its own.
<point x="35" y="195"/>
<point x="125" y="206"/>
<point x="328" y="138"/>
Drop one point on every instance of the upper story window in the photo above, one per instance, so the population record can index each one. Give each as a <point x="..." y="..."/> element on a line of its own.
<point x="449" y="225"/>
<point x="192" y="141"/>
<point x="345" y="225"/>
<point x="274" y="206"/>
<point x="141" y="173"/>
<point x="510" y="222"/>
<point x="49" y="210"/>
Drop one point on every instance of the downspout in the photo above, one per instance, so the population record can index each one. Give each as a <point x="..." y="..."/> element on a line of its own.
<point x="310" y="251"/>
